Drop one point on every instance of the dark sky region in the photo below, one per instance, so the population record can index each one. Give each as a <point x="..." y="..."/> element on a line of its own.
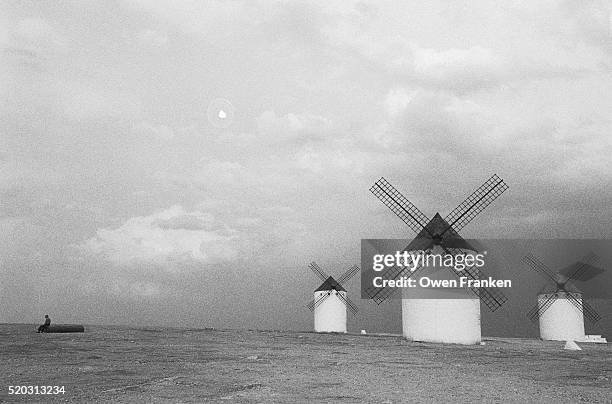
<point x="123" y="202"/>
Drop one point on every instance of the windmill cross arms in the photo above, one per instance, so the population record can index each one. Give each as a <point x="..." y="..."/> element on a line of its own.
<point x="583" y="270"/>
<point x="539" y="267"/>
<point x="313" y="304"/>
<point x="352" y="271"/>
<point x="467" y="210"/>
<point x="492" y="297"/>
<point x="586" y="309"/>
<point x="316" y="269"/>
<point x="348" y="303"/>
<point x="380" y="294"/>
<point x="590" y="312"/>
<point x="541" y="306"/>
<point x="399" y="204"/>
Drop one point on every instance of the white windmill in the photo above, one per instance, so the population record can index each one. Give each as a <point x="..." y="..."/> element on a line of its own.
<point x="439" y="318"/>
<point x="561" y="311"/>
<point x="331" y="301"/>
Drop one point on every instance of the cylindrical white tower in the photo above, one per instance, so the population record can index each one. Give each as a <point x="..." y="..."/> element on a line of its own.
<point x="445" y="315"/>
<point x="454" y="321"/>
<point x="562" y="321"/>
<point x="330" y="314"/>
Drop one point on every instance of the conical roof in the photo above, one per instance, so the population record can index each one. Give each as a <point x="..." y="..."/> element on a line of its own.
<point x="554" y="288"/>
<point x="330" y="284"/>
<point x="438" y="231"/>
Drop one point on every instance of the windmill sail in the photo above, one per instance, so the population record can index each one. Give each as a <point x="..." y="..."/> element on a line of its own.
<point x="315" y="303"/>
<point x="348" y="303"/>
<point x="316" y="269"/>
<point x="582" y="270"/>
<point x="467" y="210"/>
<point x="539" y="267"/>
<point x="330" y="284"/>
<point x="541" y="307"/>
<point x="379" y="295"/>
<point x="493" y="298"/>
<point x="438" y="231"/>
<point x="588" y="311"/>
<point x="352" y="271"/>
<point x="399" y="204"/>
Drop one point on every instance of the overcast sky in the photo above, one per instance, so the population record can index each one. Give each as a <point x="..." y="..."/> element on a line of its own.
<point x="123" y="202"/>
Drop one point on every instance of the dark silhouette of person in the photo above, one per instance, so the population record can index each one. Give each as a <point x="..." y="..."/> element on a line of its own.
<point x="45" y="326"/>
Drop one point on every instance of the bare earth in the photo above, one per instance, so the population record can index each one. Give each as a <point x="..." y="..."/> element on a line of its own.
<point x="117" y="364"/>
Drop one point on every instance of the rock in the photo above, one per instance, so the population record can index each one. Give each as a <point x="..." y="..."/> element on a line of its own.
<point x="572" y="346"/>
<point x="252" y="358"/>
<point x="363" y="332"/>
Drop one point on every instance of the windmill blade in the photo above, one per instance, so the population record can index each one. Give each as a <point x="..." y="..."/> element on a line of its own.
<point x="541" y="307"/>
<point x="590" y="313"/>
<point x="399" y="204"/>
<point x="348" y="303"/>
<point x="315" y="303"/>
<point x="379" y="295"/>
<point x="574" y="300"/>
<point x="352" y="271"/>
<point x="539" y="267"/>
<point x="493" y="298"/>
<point x="321" y="299"/>
<point x="586" y="309"/>
<point x="316" y="269"/>
<point x="579" y="272"/>
<point x="587" y="273"/>
<point x="467" y="210"/>
<point x="533" y="313"/>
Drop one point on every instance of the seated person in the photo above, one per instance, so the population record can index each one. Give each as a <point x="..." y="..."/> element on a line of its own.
<point x="45" y="326"/>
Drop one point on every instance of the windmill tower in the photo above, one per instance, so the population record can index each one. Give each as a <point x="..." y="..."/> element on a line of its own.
<point x="331" y="301"/>
<point x="561" y="312"/>
<point x="447" y="320"/>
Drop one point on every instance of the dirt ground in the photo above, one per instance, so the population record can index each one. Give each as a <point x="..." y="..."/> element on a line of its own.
<point x="114" y="364"/>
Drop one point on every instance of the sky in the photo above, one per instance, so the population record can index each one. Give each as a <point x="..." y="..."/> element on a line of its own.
<point x="125" y="199"/>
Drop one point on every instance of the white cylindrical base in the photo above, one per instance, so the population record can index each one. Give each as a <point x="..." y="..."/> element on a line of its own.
<point x="455" y="321"/>
<point x="330" y="315"/>
<point x="562" y="321"/>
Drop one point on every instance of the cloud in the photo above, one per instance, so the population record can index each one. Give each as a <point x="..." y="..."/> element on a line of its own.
<point x="207" y="19"/>
<point x="185" y="222"/>
<point x="37" y="35"/>
<point x="152" y="38"/>
<point x="164" y="237"/>
<point x="81" y="101"/>
<point x="451" y="49"/>
<point x="460" y="68"/>
<point x="397" y="100"/>
<point x="293" y="126"/>
<point x="28" y="45"/>
<point x="162" y="132"/>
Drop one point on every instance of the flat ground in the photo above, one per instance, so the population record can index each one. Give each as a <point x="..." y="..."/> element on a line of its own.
<point x="189" y="365"/>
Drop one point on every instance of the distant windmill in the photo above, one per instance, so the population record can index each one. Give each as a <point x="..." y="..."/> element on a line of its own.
<point x="441" y="320"/>
<point x="561" y="312"/>
<point x="331" y="301"/>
